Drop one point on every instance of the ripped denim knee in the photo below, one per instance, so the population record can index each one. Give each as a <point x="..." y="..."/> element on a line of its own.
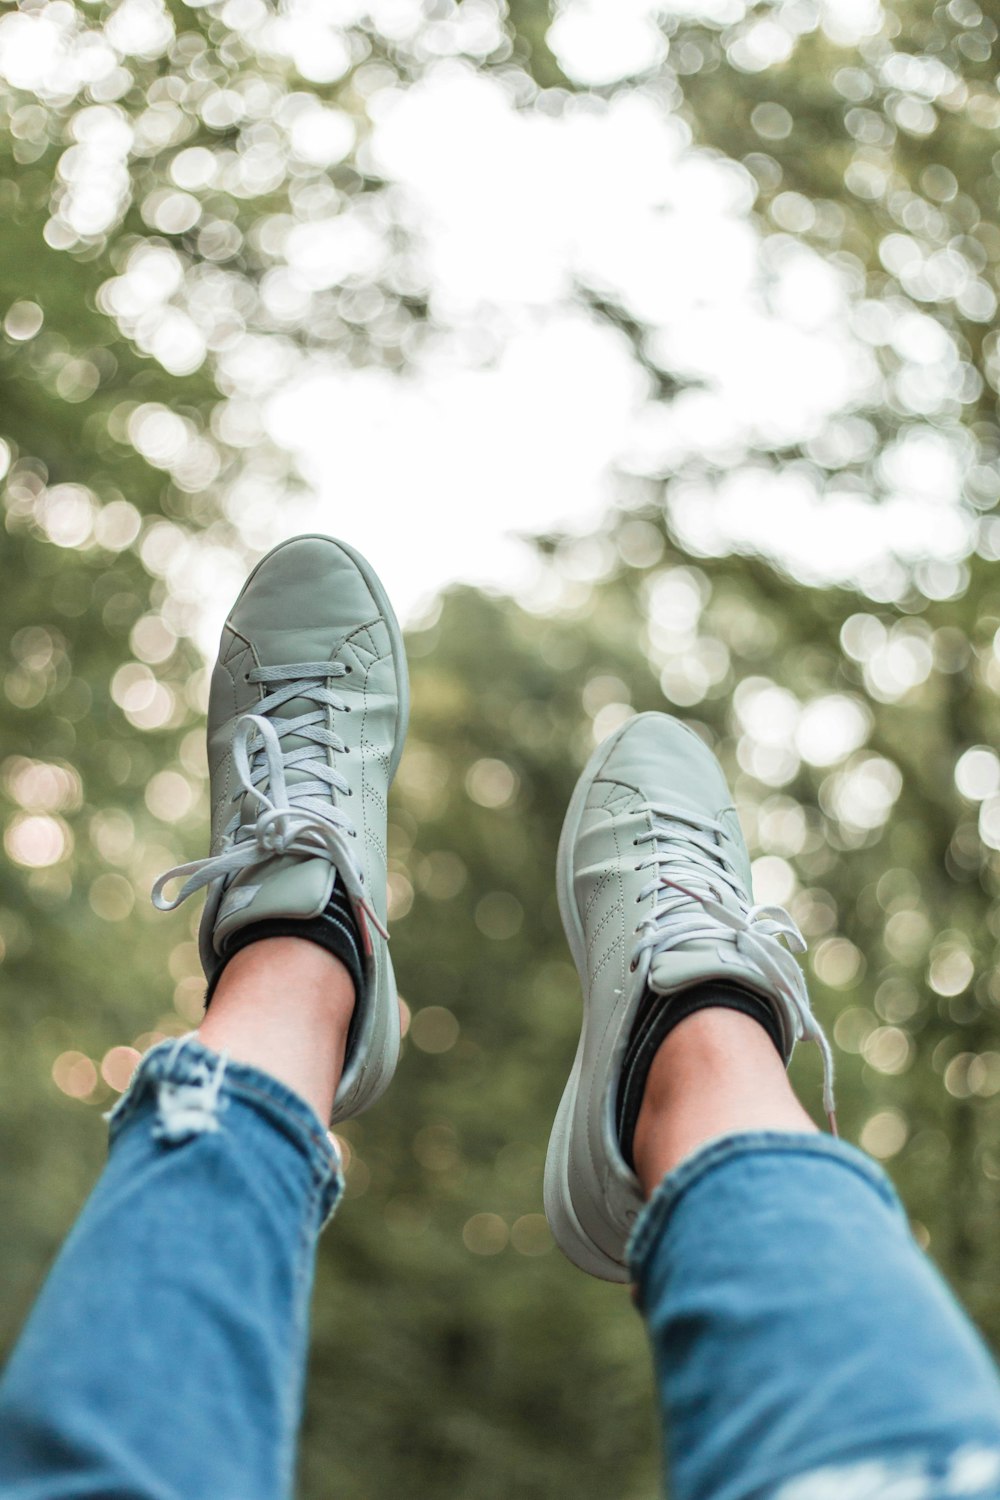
<point x="972" y="1472"/>
<point x="184" y="1092"/>
<point x="186" y="1080"/>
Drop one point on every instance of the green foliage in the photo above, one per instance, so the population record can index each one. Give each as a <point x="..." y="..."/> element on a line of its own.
<point x="454" y="1351"/>
<point x="873" y="146"/>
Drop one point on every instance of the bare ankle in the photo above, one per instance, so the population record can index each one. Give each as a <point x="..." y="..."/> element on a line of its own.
<point x="716" y="1073"/>
<point x="285" y="1005"/>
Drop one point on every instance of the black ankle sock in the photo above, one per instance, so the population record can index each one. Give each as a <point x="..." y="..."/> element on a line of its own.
<point x="335" y="929"/>
<point x="655" y="1020"/>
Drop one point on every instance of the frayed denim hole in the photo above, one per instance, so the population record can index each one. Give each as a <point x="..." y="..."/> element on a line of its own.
<point x="144" y="1081"/>
<point x="972" y="1471"/>
<point x="189" y="1109"/>
<point x="333" y="1195"/>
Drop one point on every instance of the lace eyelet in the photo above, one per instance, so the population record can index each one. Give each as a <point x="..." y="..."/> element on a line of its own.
<point x="633" y="966"/>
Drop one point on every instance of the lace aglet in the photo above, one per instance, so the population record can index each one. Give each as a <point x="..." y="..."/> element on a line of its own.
<point x="831" y="1115"/>
<point x="366" y="915"/>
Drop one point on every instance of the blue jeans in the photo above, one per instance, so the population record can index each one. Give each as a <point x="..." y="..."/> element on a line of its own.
<point x="804" y="1347"/>
<point x="165" y="1355"/>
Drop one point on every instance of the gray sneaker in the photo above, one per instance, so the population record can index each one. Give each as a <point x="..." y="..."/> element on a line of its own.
<point x="654" y="891"/>
<point x="308" y="709"/>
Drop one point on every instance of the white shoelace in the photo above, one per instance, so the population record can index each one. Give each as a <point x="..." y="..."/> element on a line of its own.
<point x="691" y="909"/>
<point x="300" y="819"/>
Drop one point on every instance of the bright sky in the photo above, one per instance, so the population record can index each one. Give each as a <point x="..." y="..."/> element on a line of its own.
<point x="435" y="474"/>
<point x="523" y="411"/>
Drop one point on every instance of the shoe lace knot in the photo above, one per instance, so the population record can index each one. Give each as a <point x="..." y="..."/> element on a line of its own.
<point x="294" y="816"/>
<point x="699" y="896"/>
<point x="275" y="830"/>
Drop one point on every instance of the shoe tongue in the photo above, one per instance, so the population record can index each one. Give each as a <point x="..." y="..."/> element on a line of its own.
<point x="282" y="887"/>
<point x="698" y="962"/>
<point x="697" y="958"/>
<point x="677" y="969"/>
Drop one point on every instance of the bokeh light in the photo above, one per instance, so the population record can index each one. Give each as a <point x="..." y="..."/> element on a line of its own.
<point x="75" y="1074"/>
<point x="733" y="367"/>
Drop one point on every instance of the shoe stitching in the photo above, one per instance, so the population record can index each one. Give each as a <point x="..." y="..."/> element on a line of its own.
<point x="380" y="811"/>
<point x="608" y="916"/>
<point x="222" y="800"/>
<point x="369" y="793"/>
<point x="619" y="798"/>
<point x="603" y="794"/>
<point x="614" y="911"/>
<point x="231" y="684"/>
<point x="239" y="648"/>
<point x="361" y="640"/>
<point x="373" y="794"/>
<point x="235" y="642"/>
<point x="595" y="893"/>
<point x="599" y="965"/>
<point x="621" y="896"/>
<point x="601" y="1168"/>
<point x="352" y="642"/>
<point x="374" y="842"/>
<point x="364" y="782"/>
<point x="381" y="640"/>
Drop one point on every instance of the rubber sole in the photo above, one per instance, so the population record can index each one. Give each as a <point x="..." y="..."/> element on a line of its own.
<point x="569" y="1233"/>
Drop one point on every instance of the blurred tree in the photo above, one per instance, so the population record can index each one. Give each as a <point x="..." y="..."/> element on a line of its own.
<point x="191" y="206"/>
<point x="866" y="139"/>
<point x="158" y="167"/>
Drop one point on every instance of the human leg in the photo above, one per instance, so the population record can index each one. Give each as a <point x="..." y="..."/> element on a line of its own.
<point x="715" y="1074"/>
<point x="249" y="1017"/>
<point x="800" y="1337"/>
<point x="804" y="1346"/>
<point x="164" y="1357"/>
<point x="653" y="880"/>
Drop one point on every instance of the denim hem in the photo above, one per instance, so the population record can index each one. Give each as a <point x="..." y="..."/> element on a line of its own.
<point x="185" y="1065"/>
<point x="655" y="1217"/>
